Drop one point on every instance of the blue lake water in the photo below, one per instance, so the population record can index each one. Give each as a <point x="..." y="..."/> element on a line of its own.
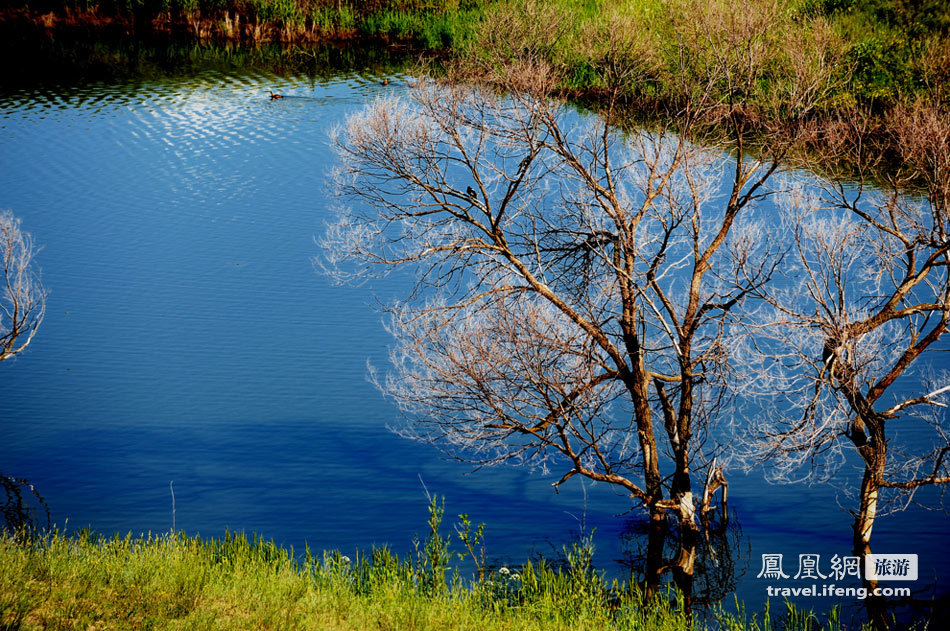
<point x="189" y="339"/>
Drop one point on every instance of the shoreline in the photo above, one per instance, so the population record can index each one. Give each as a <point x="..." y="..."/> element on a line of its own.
<point x="452" y="30"/>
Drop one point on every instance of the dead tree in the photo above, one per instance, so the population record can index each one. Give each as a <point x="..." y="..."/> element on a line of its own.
<point x="842" y="348"/>
<point x="573" y="282"/>
<point x="23" y="299"/>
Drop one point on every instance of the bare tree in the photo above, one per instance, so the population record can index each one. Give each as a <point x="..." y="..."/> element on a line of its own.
<point x="573" y="282"/>
<point x="840" y="347"/>
<point x="23" y="299"/>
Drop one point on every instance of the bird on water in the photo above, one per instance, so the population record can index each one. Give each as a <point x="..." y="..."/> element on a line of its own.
<point x="384" y="82"/>
<point x="274" y="96"/>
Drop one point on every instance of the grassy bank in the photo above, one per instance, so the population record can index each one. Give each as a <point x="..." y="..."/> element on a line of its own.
<point x="180" y="582"/>
<point x="880" y="51"/>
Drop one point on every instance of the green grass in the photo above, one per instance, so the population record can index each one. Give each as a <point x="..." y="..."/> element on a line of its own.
<point x="331" y="20"/>
<point x="180" y="582"/>
<point x="172" y="581"/>
<point x="430" y="29"/>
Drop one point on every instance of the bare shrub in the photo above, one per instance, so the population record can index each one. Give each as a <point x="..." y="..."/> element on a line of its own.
<point x="23" y="300"/>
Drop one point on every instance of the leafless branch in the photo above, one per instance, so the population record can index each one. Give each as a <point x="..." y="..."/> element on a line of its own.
<point x="23" y="299"/>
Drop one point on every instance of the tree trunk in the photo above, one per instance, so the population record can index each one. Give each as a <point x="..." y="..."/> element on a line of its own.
<point x="685" y="562"/>
<point x="653" y="482"/>
<point x="875" y="457"/>
<point x="656" y="539"/>
<point x="864" y="519"/>
<point x="682" y="497"/>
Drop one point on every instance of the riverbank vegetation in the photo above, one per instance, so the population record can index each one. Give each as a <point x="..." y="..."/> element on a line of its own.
<point x="882" y="51"/>
<point x="841" y="60"/>
<point x="181" y="582"/>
